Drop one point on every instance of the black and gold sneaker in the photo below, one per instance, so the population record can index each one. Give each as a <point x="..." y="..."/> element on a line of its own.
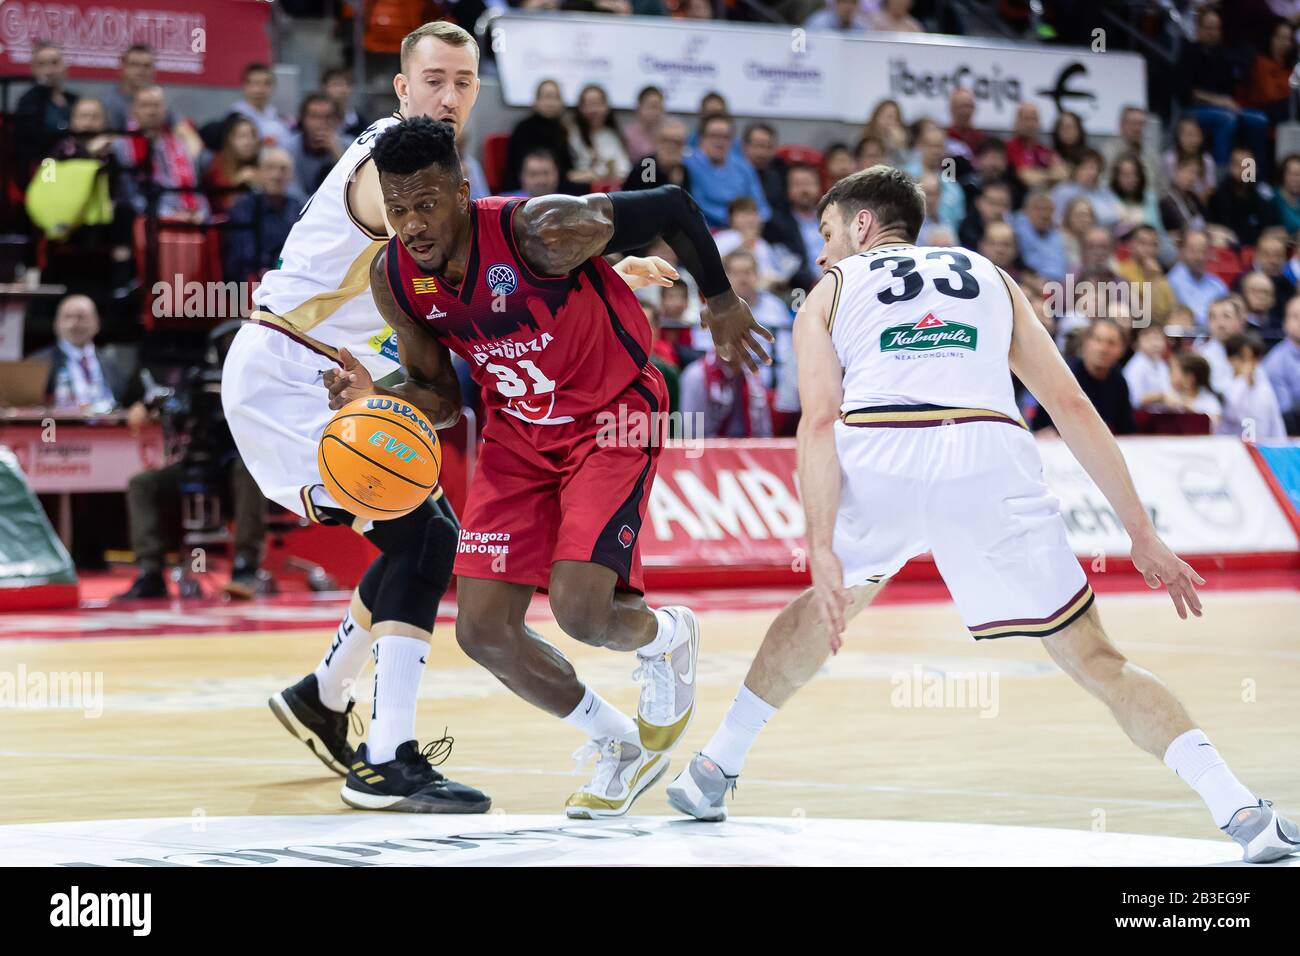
<point x="409" y="784"/>
<point x="324" y="731"/>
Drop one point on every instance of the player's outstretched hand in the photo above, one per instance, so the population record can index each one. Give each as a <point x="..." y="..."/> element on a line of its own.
<point x="735" y="332"/>
<point x="641" y="271"/>
<point x="829" y="595"/>
<point x="349" y="383"/>
<point x="1158" y="565"/>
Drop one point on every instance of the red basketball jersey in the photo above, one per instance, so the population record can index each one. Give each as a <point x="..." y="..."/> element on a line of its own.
<point x="554" y="348"/>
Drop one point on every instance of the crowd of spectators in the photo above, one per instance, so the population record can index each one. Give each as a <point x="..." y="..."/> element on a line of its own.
<point x="1170" y="242"/>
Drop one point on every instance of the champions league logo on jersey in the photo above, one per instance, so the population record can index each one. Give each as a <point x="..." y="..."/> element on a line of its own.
<point x="501" y="279"/>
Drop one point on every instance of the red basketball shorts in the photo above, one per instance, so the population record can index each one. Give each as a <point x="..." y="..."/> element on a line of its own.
<point x="571" y="492"/>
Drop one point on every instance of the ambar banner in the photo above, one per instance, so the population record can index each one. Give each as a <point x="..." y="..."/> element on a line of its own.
<point x="774" y="71"/>
<point x="198" y="42"/>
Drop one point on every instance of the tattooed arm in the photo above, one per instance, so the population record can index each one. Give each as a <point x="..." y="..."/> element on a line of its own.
<point x="556" y="234"/>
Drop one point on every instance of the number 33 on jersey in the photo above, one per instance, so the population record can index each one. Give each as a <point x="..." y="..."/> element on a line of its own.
<point x="921" y="325"/>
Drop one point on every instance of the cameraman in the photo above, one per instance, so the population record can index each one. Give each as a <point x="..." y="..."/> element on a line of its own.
<point x="206" y="461"/>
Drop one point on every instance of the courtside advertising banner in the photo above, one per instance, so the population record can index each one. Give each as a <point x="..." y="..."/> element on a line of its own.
<point x="1205" y="496"/>
<point x="192" y="40"/>
<point x="726" y="505"/>
<point x="723" y="505"/>
<point x="776" y="71"/>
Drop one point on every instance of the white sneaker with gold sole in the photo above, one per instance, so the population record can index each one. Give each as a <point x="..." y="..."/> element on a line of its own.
<point x="624" y="769"/>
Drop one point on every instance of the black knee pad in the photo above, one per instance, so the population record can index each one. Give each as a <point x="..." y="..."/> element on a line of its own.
<point x="368" y="587"/>
<point x="419" y="550"/>
<point x="438" y="554"/>
<point x="403" y="596"/>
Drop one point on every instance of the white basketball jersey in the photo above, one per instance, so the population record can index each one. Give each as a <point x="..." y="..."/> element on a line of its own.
<point x="922" y="325"/>
<point x="321" y="285"/>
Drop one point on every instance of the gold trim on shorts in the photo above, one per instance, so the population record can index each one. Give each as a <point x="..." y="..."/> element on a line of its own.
<point x="923" y="416"/>
<point x="1072" y="610"/>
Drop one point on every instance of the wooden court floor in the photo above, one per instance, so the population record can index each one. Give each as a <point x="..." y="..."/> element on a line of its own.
<point x="913" y="721"/>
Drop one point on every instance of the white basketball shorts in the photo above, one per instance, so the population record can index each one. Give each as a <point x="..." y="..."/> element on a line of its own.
<point x="970" y="492"/>
<point x="277" y="406"/>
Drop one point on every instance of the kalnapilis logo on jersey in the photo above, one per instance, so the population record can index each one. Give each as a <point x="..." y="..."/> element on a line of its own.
<point x="501" y="279"/>
<point x="927" y="335"/>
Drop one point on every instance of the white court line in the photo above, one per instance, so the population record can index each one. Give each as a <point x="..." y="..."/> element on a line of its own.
<point x="824" y="786"/>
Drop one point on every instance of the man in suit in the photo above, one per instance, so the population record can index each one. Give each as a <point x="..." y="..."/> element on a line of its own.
<point x="82" y="378"/>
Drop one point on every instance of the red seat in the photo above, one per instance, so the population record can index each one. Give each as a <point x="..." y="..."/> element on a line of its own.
<point x="606" y="185"/>
<point x="806" y="155"/>
<point x="1170" y="423"/>
<point x="191" y="252"/>
<point x="794" y="154"/>
<point x="494" y="159"/>
<point x="1225" y="263"/>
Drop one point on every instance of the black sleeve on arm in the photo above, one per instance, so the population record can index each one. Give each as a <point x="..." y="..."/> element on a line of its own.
<point x="642" y="216"/>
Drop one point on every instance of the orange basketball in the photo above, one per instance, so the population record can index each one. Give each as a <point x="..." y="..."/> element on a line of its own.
<point x="379" y="457"/>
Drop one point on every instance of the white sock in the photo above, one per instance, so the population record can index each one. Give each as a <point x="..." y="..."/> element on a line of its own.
<point x="597" y="717"/>
<point x="747" y="715"/>
<point x="337" y="672"/>
<point x="664" y="636"/>
<point x="1195" y="760"/>
<point x="399" y="665"/>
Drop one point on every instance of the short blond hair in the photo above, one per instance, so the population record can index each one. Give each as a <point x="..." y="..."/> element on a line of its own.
<point x="443" y="30"/>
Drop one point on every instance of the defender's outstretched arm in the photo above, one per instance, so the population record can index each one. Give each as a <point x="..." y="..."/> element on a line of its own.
<point x="821" y="393"/>
<point x="1037" y="363"/>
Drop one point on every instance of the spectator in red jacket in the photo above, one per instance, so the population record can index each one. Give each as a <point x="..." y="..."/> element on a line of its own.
<point x="1035" y="163"/>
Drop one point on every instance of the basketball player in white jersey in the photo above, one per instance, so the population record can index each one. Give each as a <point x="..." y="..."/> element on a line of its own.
<point x="314" y="315"/>
<point x="911" y="441"/>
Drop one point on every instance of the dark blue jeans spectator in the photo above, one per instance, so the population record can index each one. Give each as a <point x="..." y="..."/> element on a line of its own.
<point x="1221" y="127"/>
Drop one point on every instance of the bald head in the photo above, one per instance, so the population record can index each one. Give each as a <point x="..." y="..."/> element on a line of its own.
<point x="274" y="171"/>
<point x="961" y="106"/>
<point x="1026" y="122"/>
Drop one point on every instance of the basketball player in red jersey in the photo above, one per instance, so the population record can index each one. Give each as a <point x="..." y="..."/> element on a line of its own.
<point x="560" y="347"/>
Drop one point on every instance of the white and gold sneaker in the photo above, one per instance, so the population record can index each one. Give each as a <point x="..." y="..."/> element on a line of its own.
<point x="668" y="686"/>
<point x="623" y="770"/>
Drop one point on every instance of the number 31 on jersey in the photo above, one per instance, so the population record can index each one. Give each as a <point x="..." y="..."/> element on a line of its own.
<point x="511" y="385"/>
